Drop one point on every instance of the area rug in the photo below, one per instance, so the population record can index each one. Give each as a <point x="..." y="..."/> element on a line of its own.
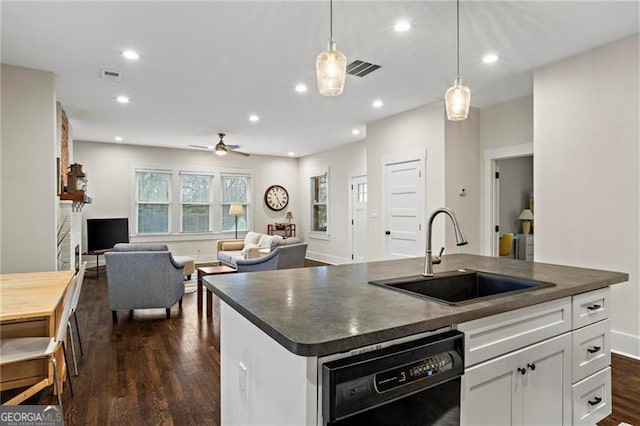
<point x="192" y="285"/>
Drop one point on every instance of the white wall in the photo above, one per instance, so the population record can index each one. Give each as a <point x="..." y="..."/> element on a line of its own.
<point x="341" y="162"/>
<point x="462" y="169"/>
<point x="29" y="199"/>
<point x="110" y="170"/>
<point x="507" y="123"/>
<point x="419" y="129"/>
<point x="586" y="172"/>
<point x="516" y="184"/>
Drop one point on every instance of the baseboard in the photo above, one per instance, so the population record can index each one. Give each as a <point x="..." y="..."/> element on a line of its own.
<point x="625" y="344"/>
<point x="326" y="258"/>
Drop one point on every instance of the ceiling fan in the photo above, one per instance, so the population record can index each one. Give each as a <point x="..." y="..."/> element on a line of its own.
<point x="221" y="148"/>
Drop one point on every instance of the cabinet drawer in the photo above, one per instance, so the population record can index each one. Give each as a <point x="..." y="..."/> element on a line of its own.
<point x="591" y="349"/>
<point x="591" y="307"/>
<point x="592" y="398"/>
<point x="495" y="335"/>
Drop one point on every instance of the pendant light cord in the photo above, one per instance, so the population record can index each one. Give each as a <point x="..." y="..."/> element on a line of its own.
<point x="331" y="20"/>
<point x="458" y="38"/>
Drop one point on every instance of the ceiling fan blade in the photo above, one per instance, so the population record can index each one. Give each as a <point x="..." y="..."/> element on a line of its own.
<point x="200" y="146"/>
<point x="232" y="146"/>
<point x="238" y="152"/>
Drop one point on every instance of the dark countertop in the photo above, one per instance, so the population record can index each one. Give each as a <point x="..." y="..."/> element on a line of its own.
<point x="329" y="309"/>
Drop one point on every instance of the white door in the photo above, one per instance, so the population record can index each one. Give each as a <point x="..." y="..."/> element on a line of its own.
<point x="359" y="219"/>
<point x="404" y="209"/>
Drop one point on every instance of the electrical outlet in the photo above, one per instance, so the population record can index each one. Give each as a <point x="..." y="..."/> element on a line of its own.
<point x="243" y="377"/>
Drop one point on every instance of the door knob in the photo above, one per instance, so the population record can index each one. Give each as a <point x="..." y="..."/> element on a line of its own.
<point x="522" y="371"/>
<point x="532" y="366"/>
<point x="387" y="232"/>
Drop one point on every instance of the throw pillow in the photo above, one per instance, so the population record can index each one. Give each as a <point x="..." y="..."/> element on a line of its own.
<point x="251" y="238"/>
<point x="247" y="248"/>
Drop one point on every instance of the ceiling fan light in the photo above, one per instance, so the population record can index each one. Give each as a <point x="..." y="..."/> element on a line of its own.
<point x="331" y="71"/>
<point x="457" y="101"/>
<point x="221" y="152"/>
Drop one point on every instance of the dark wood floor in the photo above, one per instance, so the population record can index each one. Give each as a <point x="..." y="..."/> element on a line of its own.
<point x="163" y="372"/>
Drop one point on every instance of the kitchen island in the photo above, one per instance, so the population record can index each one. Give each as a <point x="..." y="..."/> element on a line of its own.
<point x="276" y="325"/>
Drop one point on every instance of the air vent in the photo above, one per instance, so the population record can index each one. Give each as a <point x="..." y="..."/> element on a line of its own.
<point x="111" y="75"/>
<point x="361" y="68"/>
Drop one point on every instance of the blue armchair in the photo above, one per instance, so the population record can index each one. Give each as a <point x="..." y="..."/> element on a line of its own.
<point x="282" y="257"/>
<point x="143" y="276"/>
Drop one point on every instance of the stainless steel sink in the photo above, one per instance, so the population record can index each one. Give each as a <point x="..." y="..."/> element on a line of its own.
<point x="462" y="287"/>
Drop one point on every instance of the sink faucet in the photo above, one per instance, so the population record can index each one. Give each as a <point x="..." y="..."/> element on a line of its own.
<point x="460" y="239"/>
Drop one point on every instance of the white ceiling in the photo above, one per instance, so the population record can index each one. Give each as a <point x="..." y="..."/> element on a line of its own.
<point x="206" y="66"/>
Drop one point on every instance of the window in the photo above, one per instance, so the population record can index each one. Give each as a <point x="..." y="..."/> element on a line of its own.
<point x="319" y="203"/>
<point x="362" y="192"/>
<point x="195" y="196"/>
<point x="153" y="197"/>
<point x="236" y="189"/>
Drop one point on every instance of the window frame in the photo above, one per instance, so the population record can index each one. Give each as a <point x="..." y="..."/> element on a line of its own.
<point x="319" y="234"/>
<point x="248" y="205"/>
<point x="182" y="203"/>
<point x="168" y="203"/>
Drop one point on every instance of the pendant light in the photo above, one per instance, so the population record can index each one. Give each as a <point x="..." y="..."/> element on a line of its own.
<point x="331" y="65"/>
<point x="458" y="97"/>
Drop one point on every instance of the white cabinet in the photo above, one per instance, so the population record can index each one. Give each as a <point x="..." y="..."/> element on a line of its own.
<point x="527" y="386"/>
<point x="543" y="364"/>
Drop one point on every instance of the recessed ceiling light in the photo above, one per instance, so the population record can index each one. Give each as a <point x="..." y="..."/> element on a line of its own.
<point x="123" y="99"/>
<point x="402" y="26"/>
<point x="301" y="88"/>
<point x="254" y="118"/>
<point x="355" y="132"/>
<point x="118" y="139"/>
<point x="377" y="103"/>
<point x="131" y="54"/>
<point x="490" y="58"/>
<point x="291" y="154"/>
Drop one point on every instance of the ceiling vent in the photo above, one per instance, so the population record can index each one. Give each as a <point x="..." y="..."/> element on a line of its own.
<point x="361" y="68"/>
<point x="111" y="75"/>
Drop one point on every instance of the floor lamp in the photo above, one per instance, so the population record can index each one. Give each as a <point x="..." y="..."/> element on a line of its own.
<point x="236" y="210"/>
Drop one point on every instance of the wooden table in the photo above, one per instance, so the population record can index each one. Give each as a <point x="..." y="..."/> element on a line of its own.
<point x="31" y="306"/>
<point x="203" y="272"/>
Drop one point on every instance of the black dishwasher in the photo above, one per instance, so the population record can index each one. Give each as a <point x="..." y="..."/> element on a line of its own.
<point x="414" y="383"/>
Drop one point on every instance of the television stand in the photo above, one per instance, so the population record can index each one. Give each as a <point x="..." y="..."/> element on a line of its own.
<point x="97" y="254"/>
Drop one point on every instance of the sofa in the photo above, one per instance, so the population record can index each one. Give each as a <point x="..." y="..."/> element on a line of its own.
<point x="282" y="257"/>
<point x="143" y="276"/>
<point x="229" y="251"/>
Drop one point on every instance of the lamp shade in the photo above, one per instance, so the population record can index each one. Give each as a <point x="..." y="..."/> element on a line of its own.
<point x="331" y="71"/>
<point x="457" y="101"/>
<point x="526" y="214"/>
<point x="289" y="216"/>
<point x="236" y="210"/>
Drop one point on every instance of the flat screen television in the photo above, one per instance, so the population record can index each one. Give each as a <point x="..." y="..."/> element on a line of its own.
<point x="103" y="234"/>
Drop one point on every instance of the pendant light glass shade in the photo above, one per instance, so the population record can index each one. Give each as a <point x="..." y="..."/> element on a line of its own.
<point x="331" y="70"/>
<point x="457" y="101"/>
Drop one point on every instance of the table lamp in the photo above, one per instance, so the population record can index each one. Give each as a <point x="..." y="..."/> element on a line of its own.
<point x="289" y="216"/>
<point x="526" y="216"/>
<point x="236" y="210"/>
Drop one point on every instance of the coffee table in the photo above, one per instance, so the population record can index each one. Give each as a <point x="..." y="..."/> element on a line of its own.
<point x="203" y="272"/>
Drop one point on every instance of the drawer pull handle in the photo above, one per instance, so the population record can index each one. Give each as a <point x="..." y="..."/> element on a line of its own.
<point x="596" y="400"/>
<point x="593" y="307"/>
<point x="522" y="371"/>
<point x="532" y="366"/>
<point x="594" y="349"/>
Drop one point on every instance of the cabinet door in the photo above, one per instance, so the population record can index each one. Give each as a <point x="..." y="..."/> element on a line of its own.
<point x="491" y="392"/>
<point x="547" y="382"/>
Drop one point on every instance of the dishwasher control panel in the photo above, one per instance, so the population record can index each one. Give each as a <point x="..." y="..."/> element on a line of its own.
<point x="400" y="376"/>
<point x="354" y="384"/>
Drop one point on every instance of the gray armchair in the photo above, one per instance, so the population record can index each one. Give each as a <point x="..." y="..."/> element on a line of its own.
<point x="143" y="276"/>
<point x="282" y="257"/>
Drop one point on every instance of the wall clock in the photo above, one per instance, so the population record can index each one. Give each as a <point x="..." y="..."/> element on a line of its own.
<point x="276" y="197"/>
